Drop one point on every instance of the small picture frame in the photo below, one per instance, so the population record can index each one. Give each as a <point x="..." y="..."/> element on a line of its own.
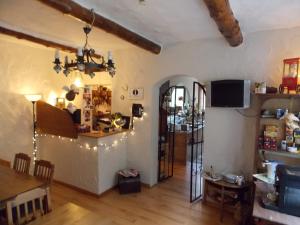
<point x="60" y="103"/>
<point x="136" y="93"/>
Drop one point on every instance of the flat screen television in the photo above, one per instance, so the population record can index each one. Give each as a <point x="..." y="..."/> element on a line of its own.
<point x="228" y="93"/>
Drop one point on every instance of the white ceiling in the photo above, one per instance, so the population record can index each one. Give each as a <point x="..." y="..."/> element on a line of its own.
<point x="37" y="19"/>
<point x="172" y="21"/>
<point x="163" y="21"/>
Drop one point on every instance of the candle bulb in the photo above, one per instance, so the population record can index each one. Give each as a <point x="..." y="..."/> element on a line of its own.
<point x="109" y="55"/>
<point x="66" y="60"/>
<point x="57" y="54"/>
<point x="79" y="52"/>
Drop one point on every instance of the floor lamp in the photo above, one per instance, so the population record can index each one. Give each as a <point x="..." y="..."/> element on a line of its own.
<point x="33" y="99"/>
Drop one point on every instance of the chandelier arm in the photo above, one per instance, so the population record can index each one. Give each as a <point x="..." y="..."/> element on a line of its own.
<point x="86" y="41"/>
<point x="92" y="59"/>
<point x="93" y="20"/>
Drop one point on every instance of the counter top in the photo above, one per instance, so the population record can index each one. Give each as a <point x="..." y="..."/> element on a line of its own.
<point x="267" y="214"/>
<point x="100" y="134"/>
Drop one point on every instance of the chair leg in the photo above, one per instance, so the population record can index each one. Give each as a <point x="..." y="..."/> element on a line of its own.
<point x="48" y="197"/>
<point x="41" y="206"/>
<point x="9" y="213"/>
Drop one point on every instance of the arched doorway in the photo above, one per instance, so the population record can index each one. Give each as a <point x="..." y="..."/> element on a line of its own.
<point x="181" y="128"/>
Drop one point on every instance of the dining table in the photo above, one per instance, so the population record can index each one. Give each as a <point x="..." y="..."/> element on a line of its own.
<point x="13" y="184"/>
<point x="72" y="214"/>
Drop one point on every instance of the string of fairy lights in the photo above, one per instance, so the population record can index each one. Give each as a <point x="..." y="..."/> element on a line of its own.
<point x="87" y="146"/>
<point x="106" y="146"/>
<point x="34" y="139"/>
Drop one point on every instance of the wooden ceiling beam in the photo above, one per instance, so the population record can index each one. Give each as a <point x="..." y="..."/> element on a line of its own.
<point x="74" y="9"/>
<point x="34" y="39"/>
<point x="221" y="12"/>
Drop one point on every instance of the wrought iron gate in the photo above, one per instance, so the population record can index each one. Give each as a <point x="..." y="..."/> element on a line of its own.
<point x="197" y="141"/>
<point x="167" y="128"/>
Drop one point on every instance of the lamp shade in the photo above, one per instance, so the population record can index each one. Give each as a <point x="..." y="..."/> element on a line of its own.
<point x="33" y="97"/>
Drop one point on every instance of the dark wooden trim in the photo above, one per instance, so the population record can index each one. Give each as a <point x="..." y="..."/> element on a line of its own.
<point x="91" y="193"/>
<point x="40" y="41"/>
<point x="82" y="190"/>
<point x="221" y="12"/>
<point x="4" y="162"/>
<point x="74" y="9"/>
<point x="52" y="120"/>
<point x="146" y="185"/>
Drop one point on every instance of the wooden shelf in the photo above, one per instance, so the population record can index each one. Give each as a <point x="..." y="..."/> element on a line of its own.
<point x="275" y="101"/>
<point x="280" y="153"/>
<point x="271" y="118"/>
<point x="268" y="96"/>
<point x="263" y="177"/>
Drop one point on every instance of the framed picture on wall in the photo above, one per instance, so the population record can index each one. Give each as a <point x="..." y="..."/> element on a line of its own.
<point x="135" y="93"/>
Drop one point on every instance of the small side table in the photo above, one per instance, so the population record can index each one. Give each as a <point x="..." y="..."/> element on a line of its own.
<point x="225" y="190"/>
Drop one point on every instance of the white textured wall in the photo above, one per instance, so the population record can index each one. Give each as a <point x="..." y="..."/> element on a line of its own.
<point x="26" y="68"/>
<point x="229" y="137"/>
<point x="92" y="169"/>
<point x="110" y="161"/>
<point x="229" y="140"/>
<point x="73" y="165"/>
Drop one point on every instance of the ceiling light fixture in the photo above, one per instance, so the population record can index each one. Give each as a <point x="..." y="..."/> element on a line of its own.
<point x="85" y="58"/>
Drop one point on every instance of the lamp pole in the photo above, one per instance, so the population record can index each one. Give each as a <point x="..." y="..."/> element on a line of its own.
<point x="33" y="98"/>
<point x="34" y="132"/>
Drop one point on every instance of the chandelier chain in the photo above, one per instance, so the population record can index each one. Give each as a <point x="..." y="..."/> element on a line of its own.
<point x="85" y="61"/>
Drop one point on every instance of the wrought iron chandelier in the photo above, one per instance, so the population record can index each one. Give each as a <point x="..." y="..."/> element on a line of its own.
<point x="86" y="58"/>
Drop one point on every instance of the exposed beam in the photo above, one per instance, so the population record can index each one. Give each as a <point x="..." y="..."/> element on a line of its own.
<point x="72" y="8"/>
<point x="221" y="12"/>
<point x="40" y="41"/>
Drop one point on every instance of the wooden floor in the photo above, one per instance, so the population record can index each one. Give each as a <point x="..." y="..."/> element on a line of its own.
<point x="166" y="203"/>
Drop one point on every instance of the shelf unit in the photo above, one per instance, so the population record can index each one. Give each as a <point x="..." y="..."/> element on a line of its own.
<point x="278" y="96"/>
<point x="279" y="153"/>
<point x="261" y="99"/>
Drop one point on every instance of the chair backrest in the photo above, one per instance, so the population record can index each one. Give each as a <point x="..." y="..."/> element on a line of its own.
<point x="22" y="163"/>
<point x="4" y="163"/>
<point x="44" y="170"/>
<point x="26" y="205"/>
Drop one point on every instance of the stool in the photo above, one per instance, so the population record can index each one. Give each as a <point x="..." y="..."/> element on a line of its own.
<point x="129" y="184"/>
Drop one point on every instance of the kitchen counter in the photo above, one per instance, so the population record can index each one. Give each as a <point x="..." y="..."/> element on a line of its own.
<point x="100" y="134"/>
<point x="90" y="162"/>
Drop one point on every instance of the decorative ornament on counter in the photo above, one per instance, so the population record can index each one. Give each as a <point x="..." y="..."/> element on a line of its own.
<point x="117" y="120"/>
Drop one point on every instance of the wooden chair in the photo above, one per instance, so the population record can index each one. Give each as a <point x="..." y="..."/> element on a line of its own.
<point x="22" y="163"/>
<point x="44" y="170"/>
<point x="22" y="204"/>
<point x="2" y="206"/>
<point x="4" y="163"/>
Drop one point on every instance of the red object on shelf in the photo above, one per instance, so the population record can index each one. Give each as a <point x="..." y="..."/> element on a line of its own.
<point x="290" y="76"/>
